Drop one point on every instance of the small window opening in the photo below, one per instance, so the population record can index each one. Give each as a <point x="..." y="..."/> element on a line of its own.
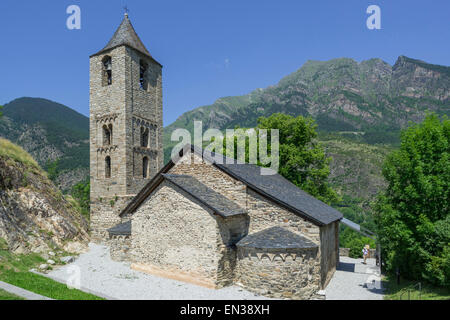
<point x="108" y="167"/>
<point x="145" y="167"/>
<point x="143" y="75"/>
<point x="107" y="71"/>
<point x="107" y="135"/>
<point x="144" y="137"/>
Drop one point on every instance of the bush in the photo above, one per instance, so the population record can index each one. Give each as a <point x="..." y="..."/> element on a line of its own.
<point x="413" y="214"/>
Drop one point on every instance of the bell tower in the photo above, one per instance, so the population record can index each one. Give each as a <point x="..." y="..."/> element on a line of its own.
<point x="125" y="125"/>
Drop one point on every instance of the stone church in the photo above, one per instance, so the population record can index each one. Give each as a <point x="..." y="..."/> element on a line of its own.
<point x="194" y="219"/>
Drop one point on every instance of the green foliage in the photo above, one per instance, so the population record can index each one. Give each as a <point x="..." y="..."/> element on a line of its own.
<point x="14" y="269"/>
<point x="1" y="114"/>
<point x="63" y="128"/>
<point x="3" y="244"/>
<point x="396" y="291"/>
<point x="81" y="193"/>
<point x="16" y="153"/>
<point x="52" y="169"/>
<point x="413" y="213"/>
<point x="302" y="157"/>
<point x="44" y="286"/>
<point x="349" y="238"/>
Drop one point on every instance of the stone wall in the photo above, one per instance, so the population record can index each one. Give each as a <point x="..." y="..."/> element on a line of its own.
<point x="120" y="247"/>
<point x="329" y="248"/>
<point x="265" y="213"/>
<point x="212" y="177"/>
<point x="288" y="273"/>
<point x="126" y="107"/>
<point x="175" y="233"/>
<point x="105" y="214"/>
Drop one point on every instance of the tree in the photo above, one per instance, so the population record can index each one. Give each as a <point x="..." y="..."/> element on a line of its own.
<point x="412" y="214"/>
<point x="53" y="169"/>
<point x="1" y="114"/>
<point x="81" y="193"/>
<point x="302" y="158"/>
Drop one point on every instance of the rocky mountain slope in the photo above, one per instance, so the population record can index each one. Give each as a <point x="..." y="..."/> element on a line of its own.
<point x="34" y="215"/>
<point x="370" y="97"/>
<point x="50" y="132"/>
<point x="359" y="108"/>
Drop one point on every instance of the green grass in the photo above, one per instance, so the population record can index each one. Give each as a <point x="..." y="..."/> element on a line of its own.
<point x="4" y="295"/>
<point x="399" y="292"/>
<point x="14" y="270"/>
<point x="13" y="151"/>
<point x="44" y="286"/>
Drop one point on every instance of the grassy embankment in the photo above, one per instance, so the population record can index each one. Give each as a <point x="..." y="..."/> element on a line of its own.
<point x="400" y="292"/>
<point x="14" y="268"/>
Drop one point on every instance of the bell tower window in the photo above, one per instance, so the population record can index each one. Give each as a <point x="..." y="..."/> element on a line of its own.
<point x="107" y="71"/>
<point x="108" y="167"/>
<point x="144" y="137"/>
<point x="107" y="135"/>
<point x="145" y="167"/>
<point x="143" y="82"/>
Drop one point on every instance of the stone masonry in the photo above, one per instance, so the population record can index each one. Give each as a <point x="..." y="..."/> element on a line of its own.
<point x="119" y="112"/>
<point x="193" y="220"/>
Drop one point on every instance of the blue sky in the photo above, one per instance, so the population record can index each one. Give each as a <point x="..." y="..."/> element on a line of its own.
<point x="209" y="48"/>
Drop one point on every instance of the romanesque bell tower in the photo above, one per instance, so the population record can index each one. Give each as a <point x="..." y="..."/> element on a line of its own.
<point x="125" y="125"/>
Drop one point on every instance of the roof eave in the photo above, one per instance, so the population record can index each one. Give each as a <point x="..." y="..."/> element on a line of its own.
<point x="103" y="51"/>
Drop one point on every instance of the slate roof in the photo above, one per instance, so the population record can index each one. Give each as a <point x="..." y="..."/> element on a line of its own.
<point x="126" y="35"/>
<point x="276" y="238"/>
<point x="207" y="196"/>
<point x="277" y="188"/>
<point x="274" y="187"/>
<point x="121" y="229"/>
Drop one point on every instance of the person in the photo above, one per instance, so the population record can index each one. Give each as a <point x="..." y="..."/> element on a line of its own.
<point x="365" y="251"/>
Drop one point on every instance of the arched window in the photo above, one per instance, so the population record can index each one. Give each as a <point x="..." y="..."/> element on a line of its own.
<point x="107" y="135"/>
<point x="144" y="137"/>
<point x="145" y="167"/>
<point x="110" y="134"/>
<point x="143" y="82"/>
<point x="108" y="167"/>
<point x="107" y="71"/>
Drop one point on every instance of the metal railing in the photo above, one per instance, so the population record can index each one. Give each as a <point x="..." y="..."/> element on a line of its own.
<point x="411" y="288"/>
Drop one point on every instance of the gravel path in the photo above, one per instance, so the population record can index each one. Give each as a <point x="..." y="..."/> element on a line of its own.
<point x="116" y="280"/>
<point x="348" y="283"/>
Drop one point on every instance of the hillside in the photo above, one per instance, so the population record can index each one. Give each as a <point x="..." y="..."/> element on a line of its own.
<point x="34" y="215"/>
<point x="49" y="131"/>
<point x="370" y="97"/>
<point x="359" y="108"/>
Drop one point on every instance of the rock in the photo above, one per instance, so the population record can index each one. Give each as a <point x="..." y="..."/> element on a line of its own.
<point x="43" y="266"/>
<point x="76" y="247"/>
<point x="51" y="253"/>
<point x="33" y="212"/>
<point x="50" y="261"/>
<point x="67" y="259"/>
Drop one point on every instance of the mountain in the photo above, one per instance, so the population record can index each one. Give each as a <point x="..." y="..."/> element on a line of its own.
<point x="49" y="131"/>
<point x="34" y="215"/>
<point x="370" y="97"/>
<point x="359" y="108"/>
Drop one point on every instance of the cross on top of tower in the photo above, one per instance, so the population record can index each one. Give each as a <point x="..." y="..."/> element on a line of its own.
<point x="126" y="10"/>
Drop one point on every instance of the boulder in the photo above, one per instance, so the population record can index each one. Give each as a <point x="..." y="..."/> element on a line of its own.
<point x="67" y="259"/>
<point x="43" y="266"/>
